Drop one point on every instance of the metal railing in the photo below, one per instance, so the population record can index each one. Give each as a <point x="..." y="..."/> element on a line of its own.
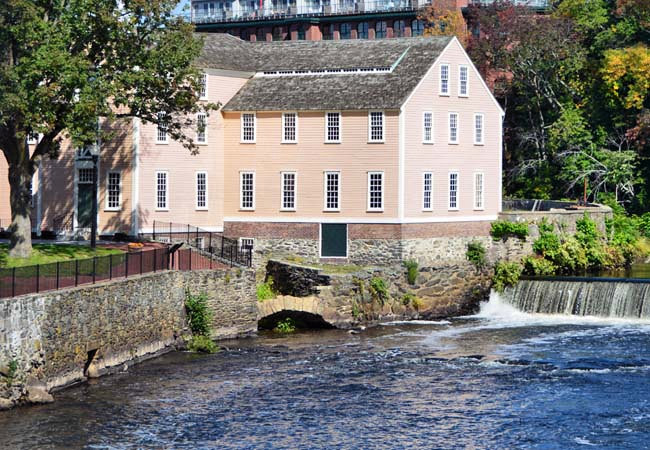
<point x="209" y="243"/>
<point x="270" y="11"/>
<point x="63" y="274"/>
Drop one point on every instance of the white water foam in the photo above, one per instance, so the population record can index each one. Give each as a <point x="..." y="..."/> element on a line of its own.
<point x="416" y="322"/>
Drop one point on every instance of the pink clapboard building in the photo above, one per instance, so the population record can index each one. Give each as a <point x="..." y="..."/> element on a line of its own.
<point x="354" y="150"/>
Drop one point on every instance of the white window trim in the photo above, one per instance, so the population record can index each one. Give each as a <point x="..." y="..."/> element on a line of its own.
<point x="241" y="191"/>
<point x="482" y="142"/>
<point x="482" y="208"/>
<point x="196" y="191"/>
<point x="241" y="128"/>
<point x="166" y="208"/>
<point x="119" y="201"/>
<point x="242" y="239"/>
<point x="457" y="207"/>
<point x="449" y="141"/>
<point x="158" y="141"/>
<point x="204" y="76"/>
<point x="295" y="190"/>
<point x="424" y="174"/>
<point x="285" y="141"/>
<point x="340" y="139"/>
<point x="424" y="141"/>
<point x="383" y="190"/>
<point x="325" y="208"/>
<point x="445" y="94"/>
<point x="205" y="130"/>
<point x="465" y="95"/>
<point x="383" y="127"/>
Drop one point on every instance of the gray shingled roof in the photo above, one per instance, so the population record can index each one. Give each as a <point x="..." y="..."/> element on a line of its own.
<point x="323" y="92"/>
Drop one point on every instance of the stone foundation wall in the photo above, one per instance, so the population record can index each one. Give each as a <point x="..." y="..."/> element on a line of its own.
<point x="46" y="339"/>
<point x="563" y="219"/>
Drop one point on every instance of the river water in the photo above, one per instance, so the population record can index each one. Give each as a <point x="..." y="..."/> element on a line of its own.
<point x="501" y="379"/>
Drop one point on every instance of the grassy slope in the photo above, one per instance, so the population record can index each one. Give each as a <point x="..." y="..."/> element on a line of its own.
<point x="49" y="253"/>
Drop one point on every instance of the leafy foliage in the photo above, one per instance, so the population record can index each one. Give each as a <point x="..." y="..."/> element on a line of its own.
<point x="502" y="229"/>
<point x="199" y="315"/>
<point x="535" y="265"/>
<point x="476" y="254"/>
<point x="506" y="274"/>
<point x="288" y="325"/>
<point x="411" y="271"/>
<point x="265" y="290"/>
<point x="379" y="289"/>
<point x="444" y="18"/>
<point x="202" y="344"/>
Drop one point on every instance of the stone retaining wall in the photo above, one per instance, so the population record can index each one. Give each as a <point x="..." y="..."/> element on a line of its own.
<point x="53" y="339"/>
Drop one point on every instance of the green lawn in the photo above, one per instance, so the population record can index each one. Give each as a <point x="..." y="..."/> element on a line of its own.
<point x="49" y="253"/>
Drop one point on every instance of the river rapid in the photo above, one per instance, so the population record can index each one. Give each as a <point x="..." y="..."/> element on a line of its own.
<point x="500" y="379"/>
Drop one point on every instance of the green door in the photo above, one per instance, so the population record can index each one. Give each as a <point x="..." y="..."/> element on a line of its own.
<point x="334" y="240"/>
<point x="84" y="205"/>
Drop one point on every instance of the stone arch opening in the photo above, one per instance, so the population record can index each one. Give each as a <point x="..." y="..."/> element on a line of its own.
<point x="303" y="320"/>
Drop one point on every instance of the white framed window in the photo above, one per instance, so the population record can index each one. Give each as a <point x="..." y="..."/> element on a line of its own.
<point x="245" y="243"/>
<point x="427" y="127"/>
<point x="375" y="191"/>
<point x="288" y="191"/>
<point x="85" y="176"/>
<point x="453" y="190"/>
<point x="333" y="127"/>
<point x="427" y="190"/>
<point x="161" y="130"/>
<point x="289" y="128"/>
<point x="376" y="126"/>
<point x="478" y="129"/>
<point x="201" y="128"/>
<point x="199" y="242"/>
<point x="332" y="191"/>
<point x="203" y="86"/>
<point x="202" y="190"/>
<point x="444" y="79"/>
<point x="162" y="191"/>
<point x="247" y="190"/>
<point x="113" y="191"/>
<point x="478" y="190"/>
<point x="453" y="128"/>
<point x="248" y="127"/>
<point x="463" y="81"/>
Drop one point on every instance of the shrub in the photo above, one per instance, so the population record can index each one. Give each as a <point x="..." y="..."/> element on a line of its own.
<point x="506" y="274"/>
<point x="417" y="303"/>
<point x="502" y="229"/>
<point x="548" y="245"/>
<point x="644" y="224"/>
<point x="535" y="265"/>
<point x="287" y="325"/>
<point x="378" y="289"/>
<point x="199" y="315"/>
<point x="572" y="257"/>
<point x="476" y="254"/>
<point x="545" y="226"/>
<point x="613" y="257"/>
<point x="265" y="290"/>
<point x="586" y="231"/>
<point x="202" y="344"/>
<point x="408" y="298"/>
<point x="411" y="271"/>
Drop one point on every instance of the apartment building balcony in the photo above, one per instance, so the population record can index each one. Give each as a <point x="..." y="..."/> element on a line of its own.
<point x="238" y="13"/>
<point x="535" y="4"/>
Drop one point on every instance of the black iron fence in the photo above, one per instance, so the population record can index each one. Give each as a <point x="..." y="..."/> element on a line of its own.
<point x="47" y="277"/>
<point x="206" y="243"/>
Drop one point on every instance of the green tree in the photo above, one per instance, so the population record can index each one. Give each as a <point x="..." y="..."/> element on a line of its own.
<point x="66" y="64"/>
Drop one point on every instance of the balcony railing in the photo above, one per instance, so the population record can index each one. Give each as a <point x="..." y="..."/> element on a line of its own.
<point x="538" y="4"/>
<point x="270" y="11"/>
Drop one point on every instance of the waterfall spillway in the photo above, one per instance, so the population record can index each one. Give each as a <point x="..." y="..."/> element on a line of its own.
<point x="581" y="298"/>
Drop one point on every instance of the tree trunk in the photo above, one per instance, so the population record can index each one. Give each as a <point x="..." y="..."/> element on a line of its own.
<point x="20" y="184"/>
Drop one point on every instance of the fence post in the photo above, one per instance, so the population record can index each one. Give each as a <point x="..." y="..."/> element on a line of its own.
<point x="126" y="271"/>
<point x="210" y="242"/>
<point x="154" y="230"/>
<point x="222" y="245"/>
<point x="170" y="232"/>
<point x="57" y="275"/>
<point x="94" y="269"/>
<point x="38" y="273"/>
<point x="76" y="272"/>
<point x="155" y="258"/>
<point x="197" y="236"/>
<point x="140" y="262"/>
<point x="188" y="233"/>
<point x="13" y="282"/>
<point x="231" y="256"/>
<point x="190" y="258"/>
